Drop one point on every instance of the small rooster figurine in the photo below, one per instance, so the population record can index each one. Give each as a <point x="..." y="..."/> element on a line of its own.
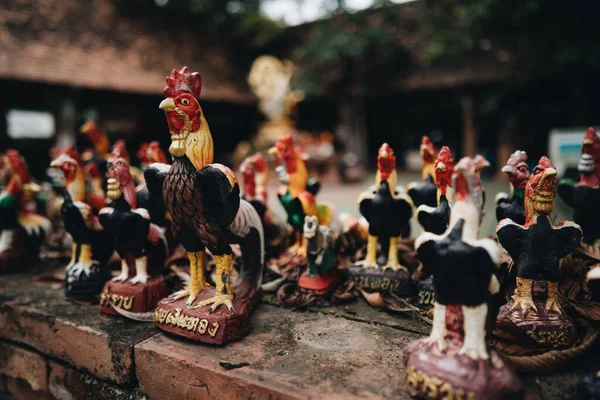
<point x="537" y="248"/>
<point x="92" y="246"/>
<point x="98" y="139"/>
<point x="151" y="153"/>
<point x="387" y="210"/>
<point x="518" y="173"/>
<point x="22" y="231"/>
<point x="425" y="192"/>
<point x="204" y="202"/>
<point x="435" y="220"/>
<point x="584" y="196"/>
<point x="298" y="194"/>
<point x="71" y="165"/>
<point x="463" y="269"/>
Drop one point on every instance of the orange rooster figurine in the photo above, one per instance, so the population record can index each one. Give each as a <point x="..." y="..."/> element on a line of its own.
<point x="22" y="231"/>
<point x="297" y="195"/>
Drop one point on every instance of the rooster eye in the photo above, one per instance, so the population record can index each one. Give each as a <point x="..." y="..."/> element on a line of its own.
<point x="185" y="102"/>
<point x="536" y="171"/>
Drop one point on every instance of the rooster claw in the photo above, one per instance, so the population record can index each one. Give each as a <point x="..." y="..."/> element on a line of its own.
<point x="216" y="301"/>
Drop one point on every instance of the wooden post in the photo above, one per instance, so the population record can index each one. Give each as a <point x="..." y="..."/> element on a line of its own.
<point x="65" y="122"/>
<point x="352" y="127"/>
<point x="469" y="138"/>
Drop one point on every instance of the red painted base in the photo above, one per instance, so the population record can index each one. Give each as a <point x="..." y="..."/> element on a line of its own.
<point x="219" y="327"/>
<point x="321" y="284"/>
<point x="138" y="298"/>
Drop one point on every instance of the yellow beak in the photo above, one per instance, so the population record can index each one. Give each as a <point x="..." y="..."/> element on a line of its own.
<point x="167" y="104"/>
<point x="273" y="151"/>
<point x="384" y="154"/>
<point x="55" y="163"/>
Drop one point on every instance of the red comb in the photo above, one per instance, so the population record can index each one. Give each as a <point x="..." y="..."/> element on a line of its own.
<point x="183" y="81"/>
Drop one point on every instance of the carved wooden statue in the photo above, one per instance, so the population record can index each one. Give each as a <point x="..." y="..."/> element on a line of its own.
<point x="513" y="206"/>
<point x="140" y="243"/>
<point x="203" y="200"/>
<point x="450" y="361"/>
<point x="425" y="192"/>
<point x="436" y="219"/>
<point x="22" y="230"/>
<point x="297" y="195"/>
<point x="87" y="272"/>
<point x="534" y="313"/>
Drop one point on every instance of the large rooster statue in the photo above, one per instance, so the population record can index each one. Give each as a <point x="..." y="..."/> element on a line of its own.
<point x="203" y="200"/>
<point x="22" y="231"/>
<point x="424" y="192"/>
<point x="298" y="194"/>
<point x="513" y="207"/>
<point x="534" y="312"/>
<point x="386" y="209"/>
<point x="463" y="269"/>
<point x="436" y="219"/>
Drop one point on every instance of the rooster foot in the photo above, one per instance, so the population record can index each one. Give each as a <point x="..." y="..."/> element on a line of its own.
<point x="220" y="299"/>
<point x="368" y="263"/>
<point x="121" y="277"/>
<point x="139" y="278"/>
<point x="438" y="340"/>
<point x="81" y="267"/>
<point x="191" y="293"/>
<point x="395" y="267"/>
<point x="301" y="252"/>
<point x="475" y="352"/>
<point x="553" y="306"/>
<point x="524" y="303"/>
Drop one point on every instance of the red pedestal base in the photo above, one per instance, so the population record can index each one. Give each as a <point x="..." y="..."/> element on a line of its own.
<point x="219" y="327"/>
<point x="319" y="285"/>
<point x="138" y="298"/>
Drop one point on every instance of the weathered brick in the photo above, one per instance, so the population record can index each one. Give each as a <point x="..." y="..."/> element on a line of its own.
<point x="42" y="318"/>
<point x="289" y="355"/>
<point x="68" y="383"/>
<point x="18" y="363"/>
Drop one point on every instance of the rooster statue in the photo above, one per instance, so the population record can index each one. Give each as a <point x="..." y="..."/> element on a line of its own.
<point x="463" y="269"/>
<point x="98" y="138"/>
<point x="207" y="213"/>
<point x="77" y="185"/>
<point x="298" y="195"/>
<point x="537" y="248"/>
<point x="387" y="210"/>
<point x="584" y="196"/>
<point x="92" y="246"/>
<point x="22" y="231"/>
<point x="518" y="173"/>
<point x="150" y="153"/>
<point x="425" y="191"/>
<point x="436" y="219"/>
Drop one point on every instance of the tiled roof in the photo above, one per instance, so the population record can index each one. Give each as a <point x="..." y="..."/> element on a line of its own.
<point x="91" y="44"/>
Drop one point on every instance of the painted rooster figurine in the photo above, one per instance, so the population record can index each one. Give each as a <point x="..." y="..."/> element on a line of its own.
<point x="150" y="153"/>
<point x="536" y="249"/>
<point x="518" y="173"/>
<point x="135" y="236"/>
<point x="387" y="210"/>
<point x="584" y="196"/>
<point x="22" y="231"/>
<point x="203" y="198"/>
<point x="298" y="195"/>
<point x="435" y="220"/>
<point x="98" y="138"/>
<point x="463" y="269"/>
<point x="92" y="246"/>
<point x="425" y="192"/>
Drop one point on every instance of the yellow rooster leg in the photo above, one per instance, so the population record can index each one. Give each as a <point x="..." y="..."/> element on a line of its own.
<point x="371" y="260"/>
<point x="197" y="282"/>
<point x="552" y="299"/>
<point x="301" y="252"/>
<point x="223" y="291"/>
<point x="296" y="245"/>
<point x="522" y="297"/>
<point x="73" y="254"/>
<point x="392" y="261"/>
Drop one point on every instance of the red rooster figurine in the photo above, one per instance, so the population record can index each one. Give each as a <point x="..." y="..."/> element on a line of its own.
<point x="518" y="173"/>
<point x="22" y="231"/>
<point x="424" y="192"/>
<point x="204" y="202"/>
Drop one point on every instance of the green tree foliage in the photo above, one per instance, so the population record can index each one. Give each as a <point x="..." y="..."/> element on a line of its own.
<point x="346" y="50"/>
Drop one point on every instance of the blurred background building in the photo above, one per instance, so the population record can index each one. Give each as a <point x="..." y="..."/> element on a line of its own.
<point x="480" y="76"/>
